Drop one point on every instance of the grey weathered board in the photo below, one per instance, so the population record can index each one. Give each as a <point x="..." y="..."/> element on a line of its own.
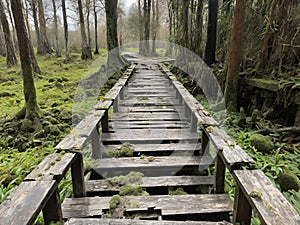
<point x="266" y="200"/>
<point x="153" y="182"/>
<point x="148" y="136"/>
<point x="95" y="221"/>
<point x="25" y="202"/>
<point x="170" y="205"/>
<point x="157" y="166"/>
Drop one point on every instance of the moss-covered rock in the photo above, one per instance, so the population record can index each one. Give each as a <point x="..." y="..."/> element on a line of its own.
<point x="261" y="143"/>
<point x="288" y="181"/>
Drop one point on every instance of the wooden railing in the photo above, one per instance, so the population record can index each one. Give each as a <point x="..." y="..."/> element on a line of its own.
<point x="254" y="190"/>
<point x="39" y="190"/>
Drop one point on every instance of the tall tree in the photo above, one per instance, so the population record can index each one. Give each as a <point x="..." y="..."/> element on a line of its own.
<point x="57" y="49"/>
<point x="210" y="49"/>
<point x="198" y="24"/>
<point x="155" y="25"/>
<point x="45" y="46"/>
<point x="147" y="19"/>
<point x="66" y="32"/>
<point x="96" y="52"/>
<point x="234" y="59"/>
<point x="114" y="58"/>
<point x="88" y="8"/>
<point x="11" y="58"/>
<point x="36" y="23"/>
<point x="141" y="25"/>
<point x="86" y="52"/>
<point x="31" y="111"/>
<point x="12" y="24"/>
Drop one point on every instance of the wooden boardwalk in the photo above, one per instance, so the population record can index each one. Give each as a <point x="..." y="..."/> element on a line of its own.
<point x="170" y="176"/>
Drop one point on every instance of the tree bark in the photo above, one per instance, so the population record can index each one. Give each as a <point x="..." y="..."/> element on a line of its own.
<point x="96" y="52"/>
<point x="57" y="49"/>
<point x="86" y="52"/>
<point x="12" y="24"/>
<point x="11" y="58"/>
<point x="114" y="59"/>
<point x="32" y="111"/>
<point x="66" y="32"/>
<point x="36" y="23"/>
<point x="199" y="25"/>
<point x="45" y="46"/>
<point x="147" y="18"/>
<point x="210" y="49"/>
<point x="141" y="25"/>
<point x="88" y="7"/>
<point x="235" y="52"/>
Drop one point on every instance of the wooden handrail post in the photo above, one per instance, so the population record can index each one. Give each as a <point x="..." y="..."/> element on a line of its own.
<point x="194" y="122"/>
<point x="204" y="142"/>
<point x="52" y="211"/>
<point x="96" y="149"/>
<point x="104" y="122"/>
<point x="116" y="105"/>
<point x="78" y="177"/>
<point x="242" y="209"/>
<point x="219" y="175"/>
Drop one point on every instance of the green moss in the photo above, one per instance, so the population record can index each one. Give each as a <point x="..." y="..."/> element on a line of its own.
<point x="133" y="190"/>
<point x="125" y="150"/>
<point x="132" y="178"/>
<point x="288" y="181"/>
<point x="151" y="158"/>
<point x="261" y="143"/>
<point x="114" y="201"/>
<point x="178" y="191"/>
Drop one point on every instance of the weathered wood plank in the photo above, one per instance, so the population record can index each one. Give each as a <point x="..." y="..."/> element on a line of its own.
<point x="24" y="204"/>
<point x="53" y="167"/>
<point x="150" y="135"/>
<point x="156" y="166"/>
<point x="171" y="205"/>
<point x="148" y="115"/>
<point x="232" y="154"/>
<point x="266" y="200"/>
<point x="94" y="221"/>
<point x="153" y="182"/>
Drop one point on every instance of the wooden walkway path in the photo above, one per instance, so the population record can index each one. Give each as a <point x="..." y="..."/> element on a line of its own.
<point x="158" y="122"/>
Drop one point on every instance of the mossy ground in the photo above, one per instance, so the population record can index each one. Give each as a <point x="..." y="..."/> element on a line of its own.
<point x="21" y="150"/>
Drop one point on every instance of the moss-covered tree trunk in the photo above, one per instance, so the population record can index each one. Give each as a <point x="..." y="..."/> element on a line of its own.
<point x="45" y="47"/>
<point x="31" y="109"/>
<point x="114" y="60"/>
<point x="235" y="52"/>
<point x="86" y="52"/>
<point x="66" y="32"/>
<point x="11" y="58"/>
<point x="210" y="49"/>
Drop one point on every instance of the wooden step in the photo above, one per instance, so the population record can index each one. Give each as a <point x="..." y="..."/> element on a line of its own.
<point x="95" y="221"/>
<point x="148" y="136"/>
<point x="147" y="115"/>
<point x="153" y="184"/>
<point x="159" y="149"/>
<point x="201" y="207"/>
<point x="151" y="166"/>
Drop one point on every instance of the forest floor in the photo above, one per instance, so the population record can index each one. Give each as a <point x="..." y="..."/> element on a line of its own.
<point x="56" y="88"/>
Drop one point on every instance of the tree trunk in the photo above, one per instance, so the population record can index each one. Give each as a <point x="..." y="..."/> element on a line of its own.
<point x="155" y="24"/>
<point x="57" y="49"/>
<point x="96" y="52"/>
<point x="141" y="25"/>
<point x="235" y="52"/>
<point x="2" y="43"/>
<point x="11" y="58"/>
<point x="45" y="46"/>
<point x="147" y="18"/>
<point x="36" y="24"/>
<point x="32" y="111"/>
<point x="66" y="32"/>
<point x="86" y="52"/>
<point x="114" y="59"/>
<point x="88" y="7"/>
<point x="210" y="49"/>
<point x="198" y="33"/>
<point x="12" y="24"/>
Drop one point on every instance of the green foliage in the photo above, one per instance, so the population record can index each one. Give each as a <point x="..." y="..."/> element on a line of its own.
<point x="270" y="26"/>
<point x="133" y="190"/>
<point x="126" y="150"/>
